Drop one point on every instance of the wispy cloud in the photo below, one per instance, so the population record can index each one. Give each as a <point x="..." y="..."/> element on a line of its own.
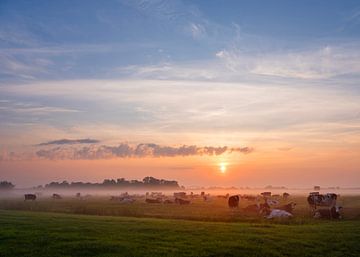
<point x="70" y="142"/>
<point x="73" y="150"/>
<point x="125" y="150"/>
<point x="317" y="63"/>
<point x="233" y="64"/>
<point x="185" y="18"/>
<point x="32" y="109"/>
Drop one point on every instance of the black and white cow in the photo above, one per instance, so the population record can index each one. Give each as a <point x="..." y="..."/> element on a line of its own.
<point x="332" y="213"/>
<point x="316" y="199"/>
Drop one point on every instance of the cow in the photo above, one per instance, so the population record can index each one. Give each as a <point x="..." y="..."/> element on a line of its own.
<point x="127" y="200"/>
<point x="149" y="200"/>
<point x="116" y="198"/>
<point x="288" y="207"/>
<point x="315" y="199"/>
<point x="266" y="194"/>
<point x="182" y="201"/>
<point x="249" y="197"/>
<point x="78" y="195"/>
<point x="180" y="194"/>
<point x="56" y="196"/>
<point x="29" y="197"/>
<point x="233" y="201"/>
<point x="276" y="213"/>
<point x="223" y="196"/>
<point x="285" y="195"/>
<point x="257" y="208"/>
<point x="272" y="202"/>
<point x="252" y="208"/>
<point x="332" y="213"/>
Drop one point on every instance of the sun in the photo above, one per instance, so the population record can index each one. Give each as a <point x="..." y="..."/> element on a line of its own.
<point x="222" y="167"/>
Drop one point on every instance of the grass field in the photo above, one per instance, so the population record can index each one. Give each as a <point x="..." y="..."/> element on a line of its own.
<point x="215" y="210"/>
<point x="48" y="227"/>
<point x="52" y="234"/>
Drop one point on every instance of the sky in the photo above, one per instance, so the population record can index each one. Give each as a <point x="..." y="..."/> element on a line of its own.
<point x="209" y="93"/>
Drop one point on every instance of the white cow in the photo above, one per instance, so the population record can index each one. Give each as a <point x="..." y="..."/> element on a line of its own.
<point x="127" y="200"/>
<point x="276" y="213"/>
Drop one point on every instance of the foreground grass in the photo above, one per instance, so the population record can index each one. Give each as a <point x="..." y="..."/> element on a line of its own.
<point x="51" y="234"/>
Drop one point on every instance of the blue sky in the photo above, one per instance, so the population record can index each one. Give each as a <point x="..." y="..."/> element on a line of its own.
<point x="268" y="75"/>
<point x="74" y="39"/>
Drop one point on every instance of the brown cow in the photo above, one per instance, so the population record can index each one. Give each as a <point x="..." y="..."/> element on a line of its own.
<point x="288" y="207"/>
<point x="149" y="200"/>
<point x="181" y="201"/>
<point x="56" y="196"/>
<point x="233" y="201"/>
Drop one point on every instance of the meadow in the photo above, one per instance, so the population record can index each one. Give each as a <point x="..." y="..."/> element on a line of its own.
<point x="99" y="227"/>
<point x="53" y="234"/>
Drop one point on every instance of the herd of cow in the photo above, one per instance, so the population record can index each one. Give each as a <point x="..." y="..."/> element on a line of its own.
<point x="265" y="204"/>
<point x="326" y="202"/>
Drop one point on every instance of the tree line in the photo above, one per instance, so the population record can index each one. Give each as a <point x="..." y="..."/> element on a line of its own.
<point x="6" y="185"/>
<point x="118" y="183"/>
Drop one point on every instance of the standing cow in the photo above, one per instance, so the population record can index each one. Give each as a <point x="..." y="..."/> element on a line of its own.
<point x="233" y="201"/>
<point x="315" y="199"/>
<point x="31" y="197"/>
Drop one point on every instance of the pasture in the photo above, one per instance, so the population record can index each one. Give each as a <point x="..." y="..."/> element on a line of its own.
<point x="214" y="210"/>
<point x="53" y="234"/>
<point x="97" y="226"/>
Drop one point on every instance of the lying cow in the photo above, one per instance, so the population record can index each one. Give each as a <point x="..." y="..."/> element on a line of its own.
<point x="257" y="208"/>
<point x="116" y="198"/>
<point x="276" y="213"/>
<point x="223" y="196"/>
<point x="332" y="213"/>
<point x="233" y="201"/>
<point x="56" y="196"/>
<point x="29" y="197"/>
<point x="149" y="200"/>
<point x="288" y="207"/>
<point x="127" y="200"/>
<point x="181" y="201"/>
<point x="249" y="197"/>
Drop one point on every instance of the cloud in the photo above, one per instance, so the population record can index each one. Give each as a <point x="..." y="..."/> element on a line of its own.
<point x="317" y="63"/>
<point x="197" y="30"/>
<point x="71" y="142"/>
<point x="186" y="18"/>
<point x="125" y="150"/>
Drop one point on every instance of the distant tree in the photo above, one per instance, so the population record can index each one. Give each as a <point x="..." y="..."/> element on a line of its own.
<point x="118" y="183"/>
<point x="5" y="185"/>
<point x="151" y="181"/>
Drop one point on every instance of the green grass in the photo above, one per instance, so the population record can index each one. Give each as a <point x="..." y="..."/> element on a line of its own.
<point x="38" y="234"/>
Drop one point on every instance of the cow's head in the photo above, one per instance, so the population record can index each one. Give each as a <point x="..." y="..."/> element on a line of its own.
<point x="338" y="208"/>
